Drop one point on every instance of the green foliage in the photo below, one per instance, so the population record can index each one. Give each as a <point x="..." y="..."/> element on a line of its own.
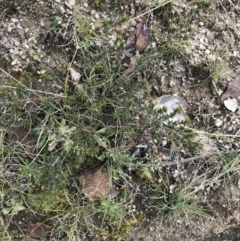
<point x="111" y="209"/>
<point x="91" y="126"/>
<point x="180" y="205"/>
<point x="33" y="54"/>
<point x="12" y="207"/>
<point x="55" y="25"/>
<point x="218" y="66"/>
<point x="205" y="4"/>
<point x="81" y="23"/>
<point x="49" y="201"/>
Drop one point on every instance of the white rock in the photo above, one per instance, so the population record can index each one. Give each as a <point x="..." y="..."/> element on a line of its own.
<point x="42" y="24"/>
<point x="176" y="173"/>
<point x="172" y="83"/>
<point x="9" y="29"/>
<point x="207" y="51"/>
<point x="16" y="42"/>
<point x="14" y="62"/>
<point x="201" y="46"/>
<point x="229" y="128"/>
<point x="231" y="104"/>
<point x="171" y="188"/>
<point x="14" y="20"/>
<point x="133" y="23"/>
<point x="70" y="3"/>
<point x="76" y="76"/>
<point x="154" y="44"/>
<point x="218" y="122"/>
<point x="164" y="143"/>
<point x="171" y="103"/>
<point x="19" y="25"/>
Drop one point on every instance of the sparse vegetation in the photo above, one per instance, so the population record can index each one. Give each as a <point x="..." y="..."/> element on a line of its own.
<point x="218" y="66"/>
<point x="54" y="128"/>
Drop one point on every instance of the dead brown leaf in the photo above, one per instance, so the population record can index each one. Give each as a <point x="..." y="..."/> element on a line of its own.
<point x="137" y="42"/>
<point x="140" y="37"/>
<point x="39" y="229"/>
<point x="95" y="183"/>
<point x="143" y="39"/>
<point x="233" y="89"/>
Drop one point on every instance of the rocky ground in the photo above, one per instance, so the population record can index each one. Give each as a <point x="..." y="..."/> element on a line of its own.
<point x="193" y="54"/>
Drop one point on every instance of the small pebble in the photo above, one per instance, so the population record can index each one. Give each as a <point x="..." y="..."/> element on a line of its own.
<point x="229" y="129"/>
<point x="207" y="51"/>
<point x="164" y="143"/>
<point x="201" y="46"/>
<point x="218" y="122"/>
